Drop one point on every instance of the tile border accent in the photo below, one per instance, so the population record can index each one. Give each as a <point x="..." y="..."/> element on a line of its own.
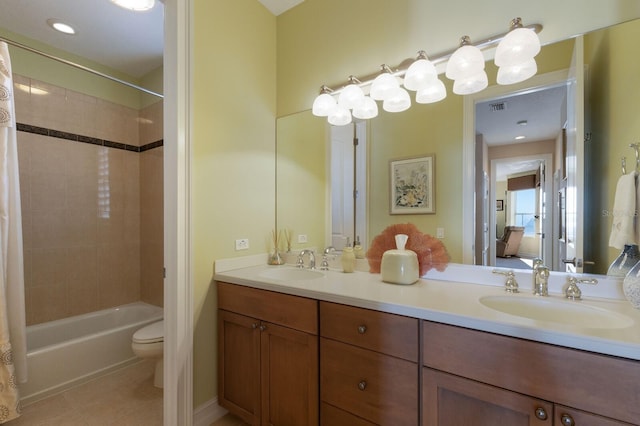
<point x="28" y="128"/>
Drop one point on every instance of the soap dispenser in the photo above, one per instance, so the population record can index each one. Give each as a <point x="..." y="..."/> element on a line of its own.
<point x="400" y="266"/>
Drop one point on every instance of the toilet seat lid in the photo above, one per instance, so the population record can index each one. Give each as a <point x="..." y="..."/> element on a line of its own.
<point x="151" y="333"/>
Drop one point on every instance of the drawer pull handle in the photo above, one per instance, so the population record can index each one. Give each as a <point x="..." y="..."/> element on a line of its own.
<point x="567" y="420"/>
<point x="362" y="329"/>
<point x="541" y="413"/>
<point x="263" y="327"/>
<point x="254" y="325"/>
<point x="362" y="385"/>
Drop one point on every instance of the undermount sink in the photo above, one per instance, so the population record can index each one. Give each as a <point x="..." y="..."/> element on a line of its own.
<point x="557" y="311"/>
<point x="291" y="274"/>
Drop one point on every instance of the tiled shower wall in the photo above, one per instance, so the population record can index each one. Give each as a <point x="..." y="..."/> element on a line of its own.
<point x="91" y="189"/>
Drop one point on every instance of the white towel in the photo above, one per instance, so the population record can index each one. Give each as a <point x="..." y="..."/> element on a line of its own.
<point x="624" y="212"/>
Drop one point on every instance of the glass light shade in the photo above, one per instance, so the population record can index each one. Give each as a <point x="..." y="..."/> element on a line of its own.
<point x="516" y="47"/>
<point x="517" y="73"/>
<point x="465" y="62"/>
<point x="368" y="109"/>
<point x="419" y="74"/>
<point x="434" y="92"/>
<point x="398" y="102"/>
<point x="339" y="116"/>
<point x="323" y="104"/>
<point x="351" y="96"/>
<point x="137" y="5"/>
<point x="383" y="86"/>
<point x="472" y="84"/>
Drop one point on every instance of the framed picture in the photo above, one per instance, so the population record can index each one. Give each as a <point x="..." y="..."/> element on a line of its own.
<point x="412" y="185"/>
<point x="499" y="205"/>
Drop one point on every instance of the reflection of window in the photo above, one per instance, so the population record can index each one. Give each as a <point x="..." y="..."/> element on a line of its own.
<point x="523" y="210"/>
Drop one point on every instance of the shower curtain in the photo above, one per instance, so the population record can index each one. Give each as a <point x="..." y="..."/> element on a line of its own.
<point x="12" y="308"/>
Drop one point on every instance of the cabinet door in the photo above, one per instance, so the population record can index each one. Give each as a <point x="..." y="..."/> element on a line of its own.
<point x="239" y="365"/>
<point x="450" y="400"/>
<point x="565" y="416"/>
<point x="289" y="376"/>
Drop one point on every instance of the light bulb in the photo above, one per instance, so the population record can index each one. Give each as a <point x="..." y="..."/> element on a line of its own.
<point x="434" y="92"/>
<point x="516" y="47"/>
<point x="323" y="105"/>
<point x="465" y="62"/>
<point x="419" y="74"/>
<point x="383" y="86"/>
<point x="368" y="109"/>
<point x="398" y="102"/>
<point x="351" y="96"/>
<point x="517" y="73"/>
<point x="472" y="84"/>
<point x="339" y="116"/>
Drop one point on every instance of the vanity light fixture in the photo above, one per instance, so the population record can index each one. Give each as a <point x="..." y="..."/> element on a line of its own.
<point x="466" y="69"/>
<point x="384" y="85"/>
<point x="135" y="5"/>
<point x="515" y="54"/>
<point x="520" y="137"/>
<point x="60" y="26"/>
<point x="522" y="123"/>
<point x="324" y="102"/>
<point x="517" y="49"/>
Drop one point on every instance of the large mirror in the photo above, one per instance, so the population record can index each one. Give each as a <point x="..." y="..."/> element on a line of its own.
<point x="303" y="169"/>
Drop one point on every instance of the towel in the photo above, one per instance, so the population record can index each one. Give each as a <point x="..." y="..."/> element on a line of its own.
<point x="624" y="212"/>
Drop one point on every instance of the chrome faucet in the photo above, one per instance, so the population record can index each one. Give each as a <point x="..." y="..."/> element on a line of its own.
<point x="572" y="291"/>
<point x="312" y="259"/>
<point x="510" y="285"/>
<point x="540" y="279"/>
<point x="324" y="265"/>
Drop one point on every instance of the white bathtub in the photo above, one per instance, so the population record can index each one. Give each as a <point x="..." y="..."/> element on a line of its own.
<point x="70" y="351"/>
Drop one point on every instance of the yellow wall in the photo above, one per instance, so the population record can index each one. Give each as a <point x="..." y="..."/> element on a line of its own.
<point x="233" y="167"/>
<point x="613" y="69"/>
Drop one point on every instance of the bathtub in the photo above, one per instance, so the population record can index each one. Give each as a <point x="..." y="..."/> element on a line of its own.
<point x="70" y="351"/>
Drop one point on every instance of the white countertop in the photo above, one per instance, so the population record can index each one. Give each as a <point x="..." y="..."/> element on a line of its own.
<point x="455" y="303"/>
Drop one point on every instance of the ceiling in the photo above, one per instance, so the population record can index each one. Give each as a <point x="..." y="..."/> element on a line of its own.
<point x="130" y="42"/>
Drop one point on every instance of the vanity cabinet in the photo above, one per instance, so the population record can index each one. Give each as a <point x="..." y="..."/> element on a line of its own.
<point x="267" y="356"/>
<point x="487" y="379"/>
<point x="369" y="368"/>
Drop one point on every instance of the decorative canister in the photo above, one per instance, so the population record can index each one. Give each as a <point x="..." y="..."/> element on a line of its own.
<point x="629" y="256"/>
<point x="400" y="266"/>
<point x="631" y="286"/>
<point x="348" y="259"/>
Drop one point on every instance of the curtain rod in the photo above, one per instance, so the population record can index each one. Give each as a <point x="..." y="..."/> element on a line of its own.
<point x="81" y="67"/>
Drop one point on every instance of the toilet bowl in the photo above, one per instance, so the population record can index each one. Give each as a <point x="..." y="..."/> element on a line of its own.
<point x="148" y="342"/>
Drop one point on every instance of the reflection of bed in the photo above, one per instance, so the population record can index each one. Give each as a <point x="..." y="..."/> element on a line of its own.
<point x="508" y="245"/>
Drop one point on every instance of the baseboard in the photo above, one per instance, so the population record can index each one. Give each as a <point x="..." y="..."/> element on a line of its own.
<point x="208" y="413"/>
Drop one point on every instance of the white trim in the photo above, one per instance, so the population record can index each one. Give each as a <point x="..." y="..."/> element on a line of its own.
<point x="208" y="413"/>
<point x="178" y="305"/>
<point x="468" y="148"/>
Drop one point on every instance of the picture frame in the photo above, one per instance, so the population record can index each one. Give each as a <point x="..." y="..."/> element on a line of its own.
<point x="499" y="205"/>
<point x="412" y="185"/>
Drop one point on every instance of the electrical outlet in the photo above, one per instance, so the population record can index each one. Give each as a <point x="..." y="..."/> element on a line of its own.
<point x="302" y="238"/>
<point x="440" y="233"/>
<point x="242" y="244"/>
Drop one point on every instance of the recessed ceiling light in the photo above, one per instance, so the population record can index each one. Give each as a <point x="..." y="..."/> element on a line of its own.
<point x="58" y="25"/>
<point x="520" y="137"/>
<point x="522" y="123"/>
<point x="136" y="5"/>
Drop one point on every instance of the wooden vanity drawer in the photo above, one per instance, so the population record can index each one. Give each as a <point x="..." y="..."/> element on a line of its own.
<point x="382" y="332"/>
<point x="290" y="311"/>
<point x="586" y="381"/>
<point x="333" y="416"/>
<point x="379" y="388"/>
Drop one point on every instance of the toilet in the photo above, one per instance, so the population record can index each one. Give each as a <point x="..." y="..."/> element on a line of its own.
<point x="148" y="342"/>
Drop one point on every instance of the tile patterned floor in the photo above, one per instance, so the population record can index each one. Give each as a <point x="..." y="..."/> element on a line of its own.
<point x="125" y="397"/>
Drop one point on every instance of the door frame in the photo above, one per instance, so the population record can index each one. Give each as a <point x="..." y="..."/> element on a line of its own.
<point x="468" y="146"/>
